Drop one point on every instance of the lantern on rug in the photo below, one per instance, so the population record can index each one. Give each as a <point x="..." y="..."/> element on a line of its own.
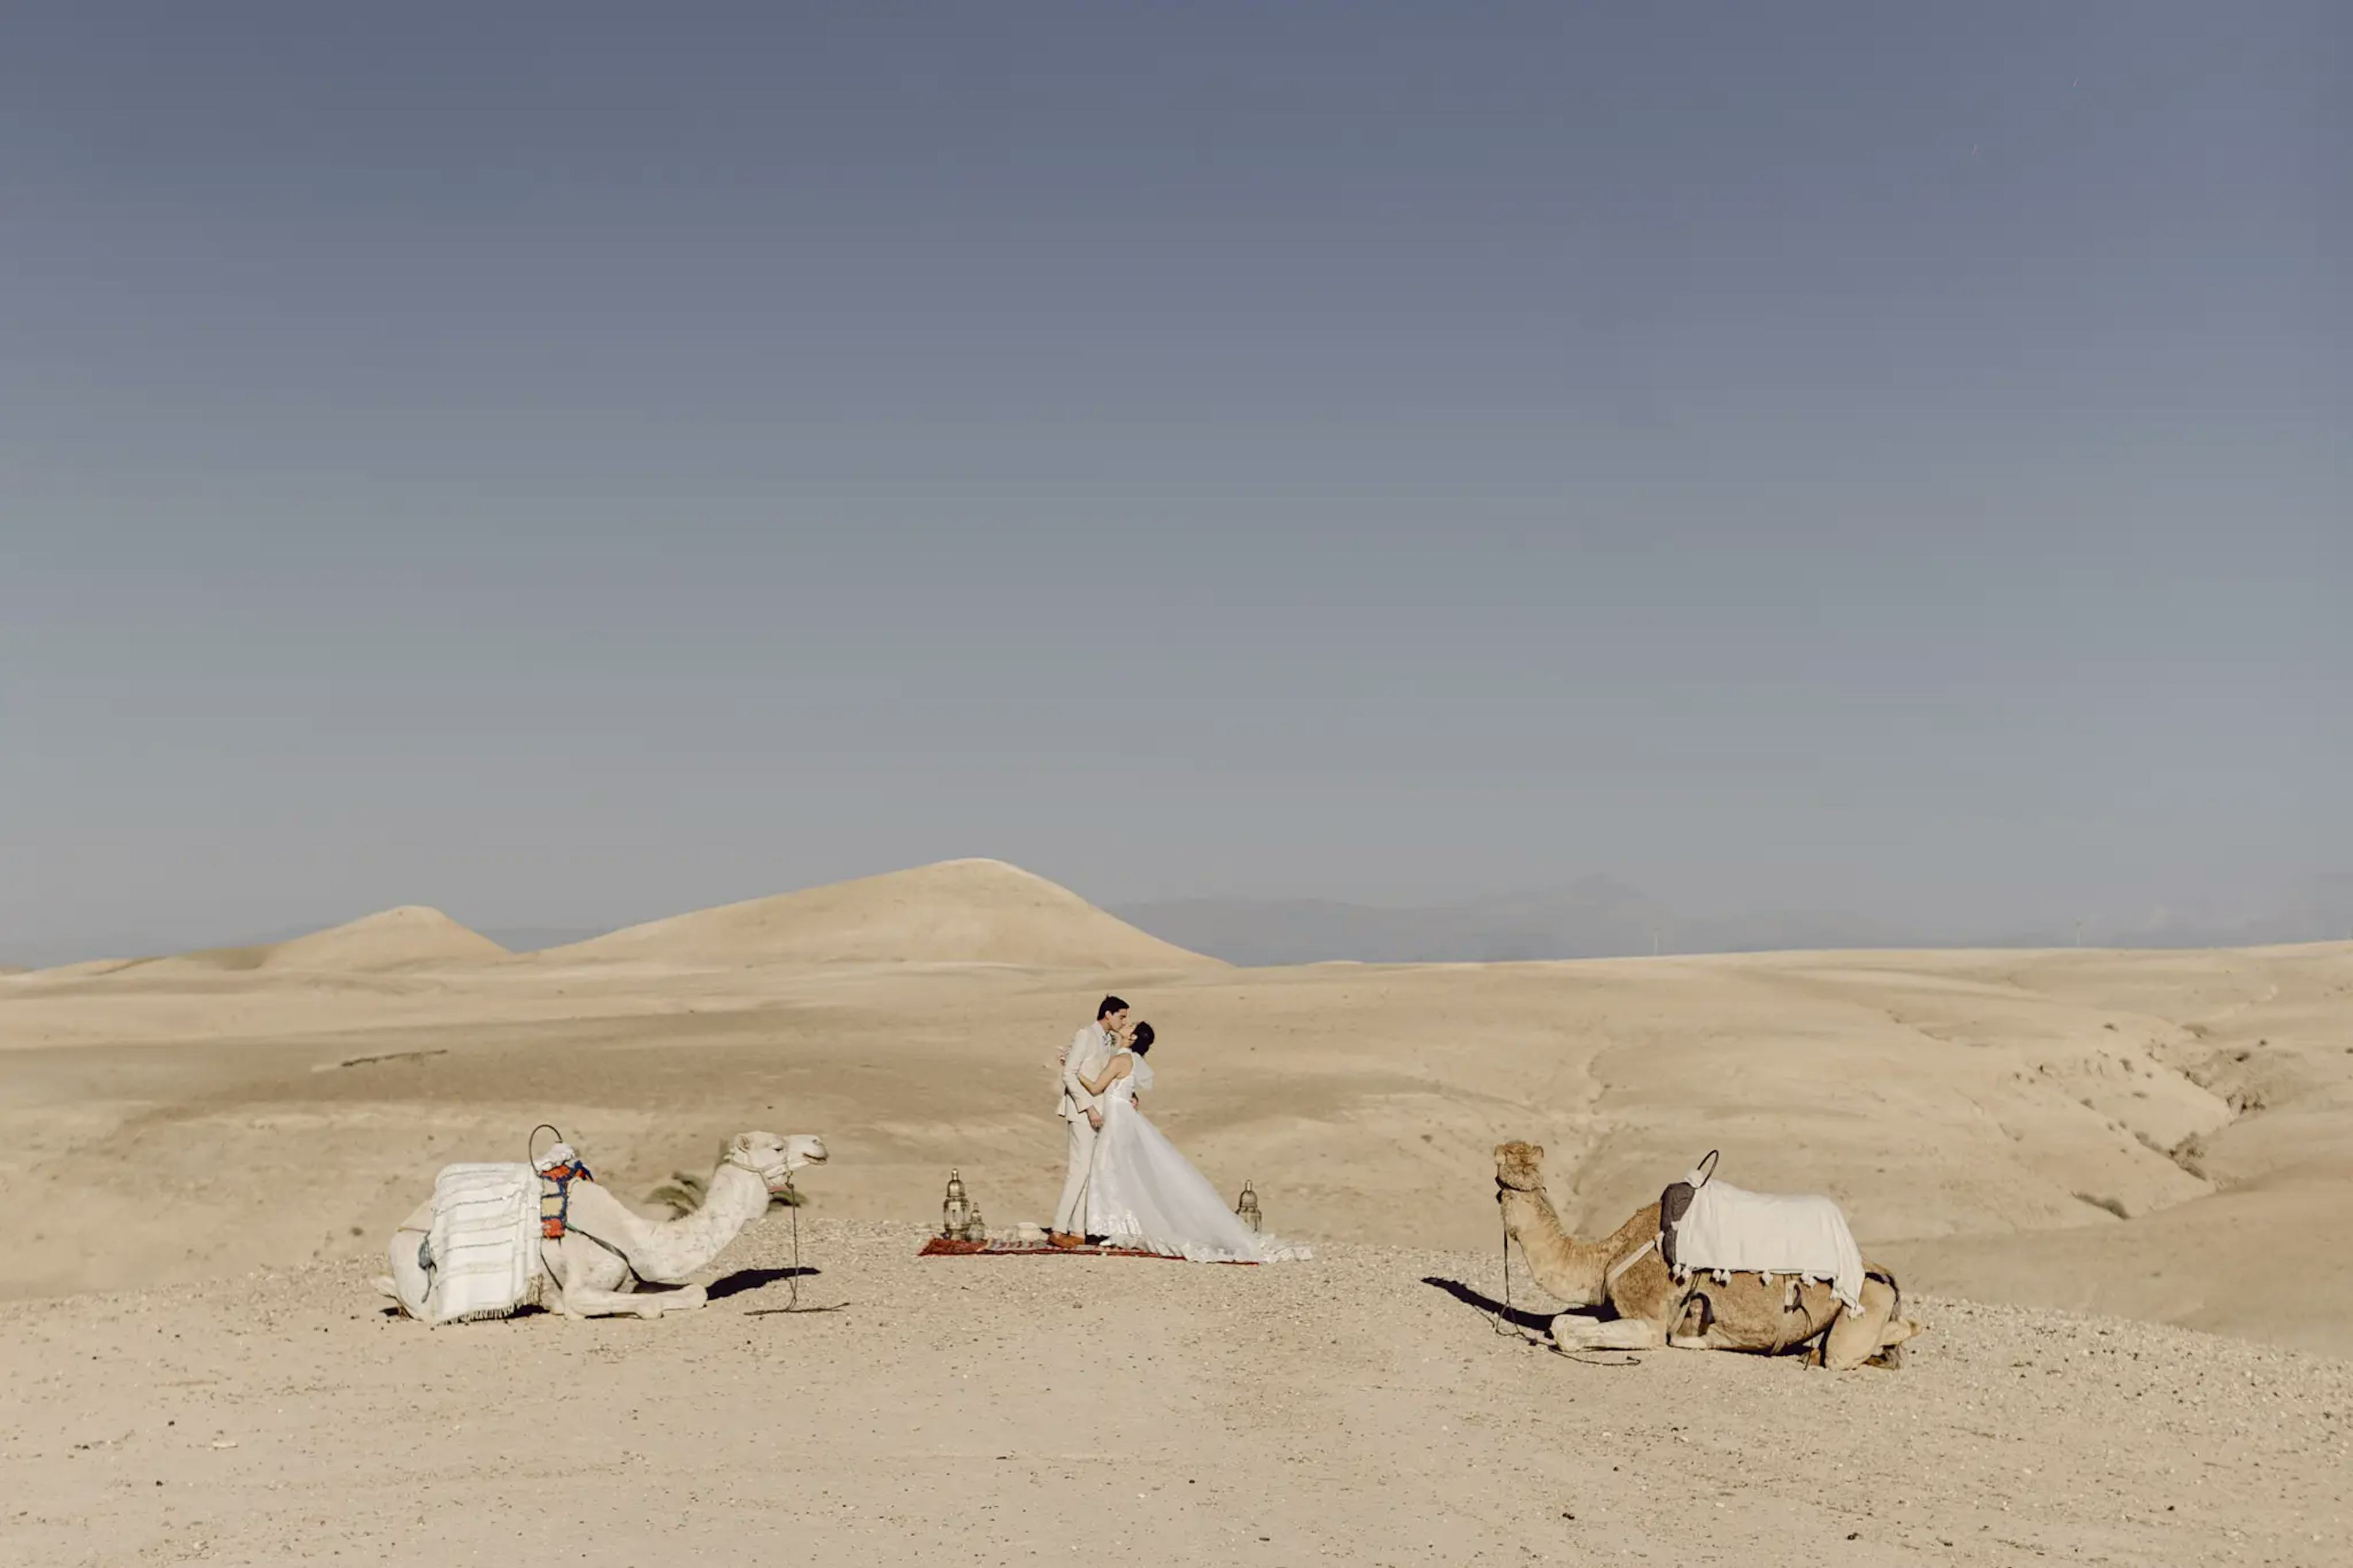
<point x="976" y="1228"/>
<point x="956" y="1212"/>
<point x="1247" y="1208"/>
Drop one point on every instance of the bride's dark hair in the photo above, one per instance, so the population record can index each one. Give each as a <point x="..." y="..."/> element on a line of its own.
<point x="1141" y="1044"/>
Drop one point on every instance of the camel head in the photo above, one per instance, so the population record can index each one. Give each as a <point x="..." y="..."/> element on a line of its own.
<point x="775" y="1158"/>
<point x="1519" y="1167"/>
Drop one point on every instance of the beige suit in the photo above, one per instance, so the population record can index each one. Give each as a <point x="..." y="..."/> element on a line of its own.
<point x="1091" y="1047"/>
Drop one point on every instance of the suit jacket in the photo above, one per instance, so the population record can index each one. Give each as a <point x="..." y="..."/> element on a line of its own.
<point x="1090" y="1049"/>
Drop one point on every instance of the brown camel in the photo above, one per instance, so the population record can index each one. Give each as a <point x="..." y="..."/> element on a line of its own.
<point x="1651" y="1309"/>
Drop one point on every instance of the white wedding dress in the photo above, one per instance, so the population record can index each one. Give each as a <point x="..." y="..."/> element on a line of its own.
<point x="1146" y="1195"/>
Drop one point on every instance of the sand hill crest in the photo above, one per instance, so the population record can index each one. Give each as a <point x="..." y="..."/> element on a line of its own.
<point x="398" y="937"/>
<point x="956" y="911"/>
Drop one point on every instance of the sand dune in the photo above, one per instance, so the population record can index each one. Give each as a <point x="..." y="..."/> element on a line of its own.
<point x="81" y="968"/>
<point x="387" y="940"/>
<point x="390" y="939"/>
<point x="958" y="912"/>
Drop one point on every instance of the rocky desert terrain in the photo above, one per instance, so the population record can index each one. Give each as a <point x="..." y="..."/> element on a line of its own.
<point x="2121" y="1180"/>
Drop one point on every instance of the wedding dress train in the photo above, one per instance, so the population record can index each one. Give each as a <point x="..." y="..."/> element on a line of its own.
<point x="1146" y="1195"/>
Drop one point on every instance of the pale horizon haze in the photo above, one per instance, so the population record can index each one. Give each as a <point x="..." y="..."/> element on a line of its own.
<point x="573" y="464"/>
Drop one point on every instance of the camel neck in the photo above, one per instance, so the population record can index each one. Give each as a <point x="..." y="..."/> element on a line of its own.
<point x="1570" y="1270"/>
<point x="734" y="1199"/>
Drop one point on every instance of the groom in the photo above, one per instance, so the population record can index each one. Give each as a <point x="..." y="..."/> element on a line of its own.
<point x="1091" y="1047"/>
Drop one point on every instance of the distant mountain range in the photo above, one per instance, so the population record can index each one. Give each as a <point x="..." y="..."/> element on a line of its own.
<point x="1601" y="917"/>
<point x="1594" y="917"/>
<point x="955" y="912"/>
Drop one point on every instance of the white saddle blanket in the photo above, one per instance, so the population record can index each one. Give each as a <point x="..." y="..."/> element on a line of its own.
<point x="484" y="1243"/>
<point x="1729" y="1230"/>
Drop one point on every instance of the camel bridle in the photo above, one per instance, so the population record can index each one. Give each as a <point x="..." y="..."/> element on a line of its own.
<point x="1502" y="1322"/>
<point x="781" y="1170"/>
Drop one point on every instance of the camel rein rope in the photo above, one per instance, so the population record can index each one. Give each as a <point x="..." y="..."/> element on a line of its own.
<point x="1505" y="1328"/>
<point x="793" y="1276"/>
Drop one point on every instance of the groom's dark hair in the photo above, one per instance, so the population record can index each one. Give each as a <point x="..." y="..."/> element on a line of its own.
<point x="1110" y="1005"/>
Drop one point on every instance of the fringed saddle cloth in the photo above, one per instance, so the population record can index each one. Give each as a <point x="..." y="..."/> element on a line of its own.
<point x="1725" y="1229"/>
<point x="483" y="1247"/>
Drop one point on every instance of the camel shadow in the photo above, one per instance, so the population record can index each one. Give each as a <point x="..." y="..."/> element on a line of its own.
<point x="744" y="1279"/>
<point x="1488" y="1307"/>
<point x="739" y="1283"/>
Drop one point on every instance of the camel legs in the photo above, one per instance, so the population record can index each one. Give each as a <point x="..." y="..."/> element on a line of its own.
<point x="588" y="1301"/>
<point x="1891" y="1341"/>
<point x="1858" y="1337"/>
<point x="590" y="1282"/>
<point x="1576" y="1331"/>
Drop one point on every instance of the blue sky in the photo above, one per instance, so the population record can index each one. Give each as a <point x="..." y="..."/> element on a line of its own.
<point x="572" y="464"/>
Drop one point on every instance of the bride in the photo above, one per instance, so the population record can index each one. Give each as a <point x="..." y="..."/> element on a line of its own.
<point x="1147" y="1195"/>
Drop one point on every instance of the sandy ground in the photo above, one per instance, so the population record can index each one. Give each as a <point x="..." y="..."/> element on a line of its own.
<point x="2162" y="1137"/>
<point x="1986" y="1118"/>
<point x="1358" y="1408"/>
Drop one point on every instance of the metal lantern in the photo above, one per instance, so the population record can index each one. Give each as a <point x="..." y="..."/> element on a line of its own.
<point x="1247" y="1209"/>
<point x="957" y="1213"/>
<point x="979" y="1226"/>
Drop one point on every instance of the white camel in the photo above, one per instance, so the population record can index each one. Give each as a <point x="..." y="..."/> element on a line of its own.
<point x="607" y="1250"/>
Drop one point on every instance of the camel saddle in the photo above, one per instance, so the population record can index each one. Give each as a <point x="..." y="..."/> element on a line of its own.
<point x="1711" y="1227"/>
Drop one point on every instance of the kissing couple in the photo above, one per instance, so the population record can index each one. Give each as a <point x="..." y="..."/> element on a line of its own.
<point x="1128" y="1187"/>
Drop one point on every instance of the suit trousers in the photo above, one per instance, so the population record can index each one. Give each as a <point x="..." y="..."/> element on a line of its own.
<point x="1070" y="1214"/>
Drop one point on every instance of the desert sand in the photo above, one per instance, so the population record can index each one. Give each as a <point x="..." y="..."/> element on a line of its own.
<point x="202" y="1157"/>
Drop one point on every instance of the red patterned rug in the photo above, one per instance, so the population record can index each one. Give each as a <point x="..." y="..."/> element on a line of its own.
<point x="941" y="1247"/>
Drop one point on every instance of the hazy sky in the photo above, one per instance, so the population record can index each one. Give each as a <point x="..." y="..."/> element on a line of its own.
<point x="571" y="464"/>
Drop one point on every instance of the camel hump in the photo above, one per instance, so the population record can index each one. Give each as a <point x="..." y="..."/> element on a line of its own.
<point x="1731" y="1230"/>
